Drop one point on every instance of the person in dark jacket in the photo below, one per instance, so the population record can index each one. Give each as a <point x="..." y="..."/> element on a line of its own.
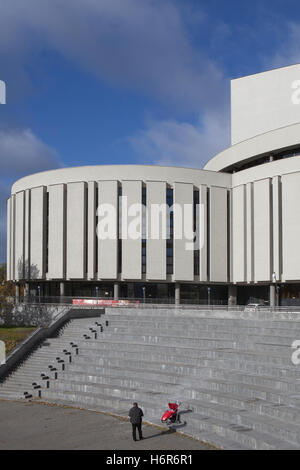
<point x="135" y="415"/>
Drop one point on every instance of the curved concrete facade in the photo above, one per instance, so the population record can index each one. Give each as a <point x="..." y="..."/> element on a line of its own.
<point x="286" y="138"/>
<point x="52" y="224"/>
<point x="243" y="204"/>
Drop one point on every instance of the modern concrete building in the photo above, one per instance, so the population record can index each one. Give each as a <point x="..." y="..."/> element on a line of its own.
<point x="246" y="197"/>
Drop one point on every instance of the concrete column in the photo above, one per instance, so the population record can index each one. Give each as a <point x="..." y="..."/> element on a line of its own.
<point x="76" y="230"/>
<point x="116" y="291"/>
<point x="218" y="235"/>
<point x="277" y="295"/>
<point x="131" y="248"/>
<point x="26" y="291"/>
<point x="62" y="289"/>
<point x="232" y="295"/>
<point x="177" y="294"/>
<point x="156" y="248"/>
<point x="18" y="292"/>
<point x="272" y="295"/>
<point x="183" y="195"/>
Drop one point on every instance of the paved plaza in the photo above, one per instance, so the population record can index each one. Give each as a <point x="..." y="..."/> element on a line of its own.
<point x="34" y="426"/>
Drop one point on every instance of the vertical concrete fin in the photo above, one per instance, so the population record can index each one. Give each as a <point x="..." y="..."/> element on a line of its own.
<point x="132" y="248"/>
<point x="107" y="230"/>
<point x="57" y="232"/>
<point x="183" y="229"/>
<point x="156" y="262"/>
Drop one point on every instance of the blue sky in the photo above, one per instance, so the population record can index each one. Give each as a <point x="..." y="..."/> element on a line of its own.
<point x="128" y="81"/>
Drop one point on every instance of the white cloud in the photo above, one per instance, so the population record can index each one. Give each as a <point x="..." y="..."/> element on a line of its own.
<point x="142" y="45"/>
<point x="21" y="153"/>
<point x="182" y="144"/>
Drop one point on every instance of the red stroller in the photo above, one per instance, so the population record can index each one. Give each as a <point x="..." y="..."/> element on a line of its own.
<point x="171" y="416"/>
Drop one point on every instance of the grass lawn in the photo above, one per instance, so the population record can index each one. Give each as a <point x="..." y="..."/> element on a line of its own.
<point x="12" y="335"/>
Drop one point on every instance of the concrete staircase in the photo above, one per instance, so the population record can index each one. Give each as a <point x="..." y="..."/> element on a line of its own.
<point x="232" y="371"/>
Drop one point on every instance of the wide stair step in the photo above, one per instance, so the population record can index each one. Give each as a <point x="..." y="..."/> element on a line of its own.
<point x="232" y="370"/>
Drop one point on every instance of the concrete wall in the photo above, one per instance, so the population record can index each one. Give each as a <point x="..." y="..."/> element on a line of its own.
<point x="156" y="246"/>
<point x="272" y="198"/>
<point x="218" y="247"/>
<point x="290" y="226"/>
<point x="76" y="231"/>
<point x="262" y="231"/>
<point x="183" y="232"/>
<point x="108" y="242"/>
<point x="255" y="231"/>
<point x="263" y="102"/>
<point x="264" y="144"/>
<point x="239" y="233"/>
<point x="57" y="232"/>
<point x="91" y="230"/>
<point x="122" y="173"/>
<point x="203" y="233"/>
<point x="37" y="245"/>
<point x="277" y="225"/>
<point x="63" y="217"/>
<point x="19" y="235"/>
<point x="249" y="232"/>
<point x="132" y="248"/>
<point x="263" y="225"/>
<point x="27" y="233"/>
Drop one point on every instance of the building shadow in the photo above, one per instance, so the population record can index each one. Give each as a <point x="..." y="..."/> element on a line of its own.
<point x="161" y="433"/>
